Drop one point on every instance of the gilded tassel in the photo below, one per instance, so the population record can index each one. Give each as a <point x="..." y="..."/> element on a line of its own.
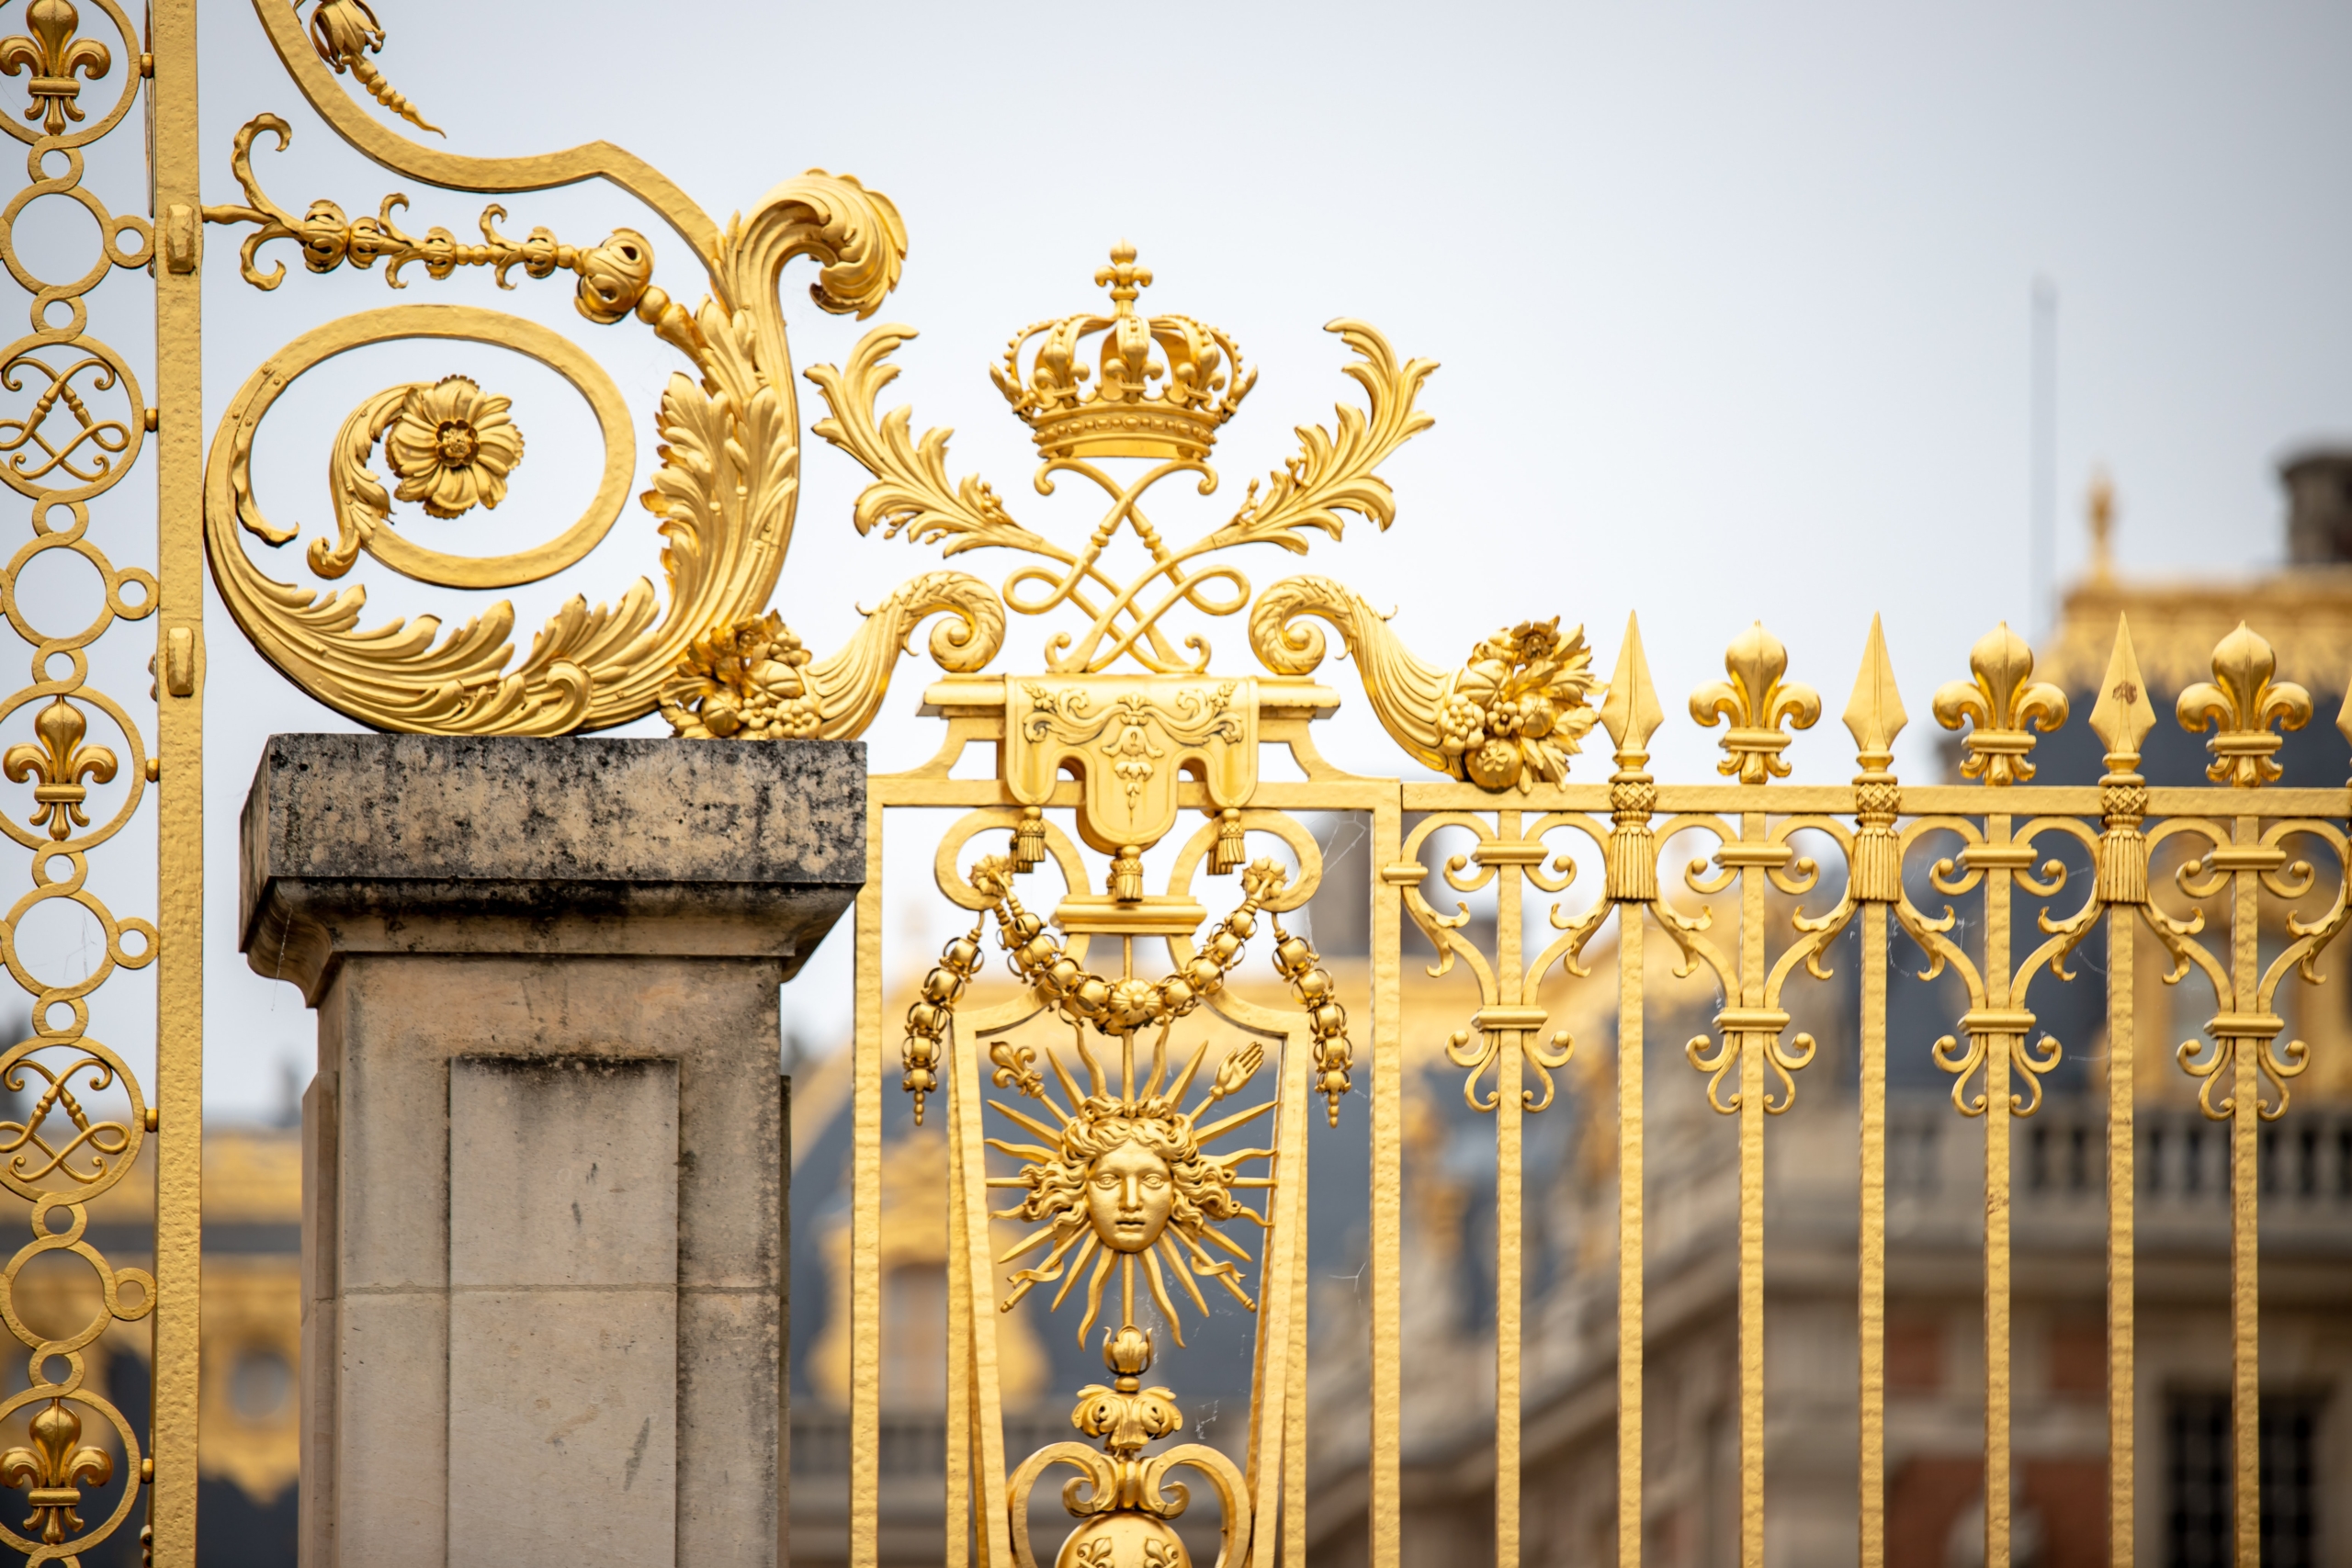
<point x="1029" y="840"/>
<point x="1127" y="876"/>
<point x="2123" y="848"/>
<point x="1232" y="846"/>
<point x="1878" y="849"/>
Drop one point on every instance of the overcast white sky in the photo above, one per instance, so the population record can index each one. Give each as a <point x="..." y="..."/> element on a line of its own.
<point x="1732" y="301"/>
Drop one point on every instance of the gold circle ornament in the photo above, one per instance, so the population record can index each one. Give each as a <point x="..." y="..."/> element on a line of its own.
<point x="451" y="447"/>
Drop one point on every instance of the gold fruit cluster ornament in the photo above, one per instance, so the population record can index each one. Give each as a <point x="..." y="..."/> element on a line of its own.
<point x="747" y="682"/>
<point x="1514" y="713"/>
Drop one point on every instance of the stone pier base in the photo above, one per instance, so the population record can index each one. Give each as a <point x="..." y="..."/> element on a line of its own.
<point x="543" y="1199"/>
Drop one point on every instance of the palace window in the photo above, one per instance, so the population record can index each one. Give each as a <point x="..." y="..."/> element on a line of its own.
<point x="2197" y="1481"/>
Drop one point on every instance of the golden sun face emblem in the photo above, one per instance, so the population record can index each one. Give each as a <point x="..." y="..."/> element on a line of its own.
<point x="1125" y="1181"/>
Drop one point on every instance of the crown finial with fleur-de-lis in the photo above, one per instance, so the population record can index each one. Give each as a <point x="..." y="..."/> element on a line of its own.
<point x="1757" y="701"/>
<point x="2003" y="703"/>
<point x="1127" y="279"/>
<point x="2239" y="705"/>
<point x="1200" y="371"/>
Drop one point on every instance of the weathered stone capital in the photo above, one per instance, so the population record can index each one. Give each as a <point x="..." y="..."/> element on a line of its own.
<point x="462" y="844"/>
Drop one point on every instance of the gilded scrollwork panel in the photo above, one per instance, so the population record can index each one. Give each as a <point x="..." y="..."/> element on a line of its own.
<point x="74" y="425"/>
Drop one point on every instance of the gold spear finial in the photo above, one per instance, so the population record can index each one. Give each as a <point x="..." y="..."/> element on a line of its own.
<point x="1631" y="714"/>
<point x="1874" y="714"/>
<point x="2121" y="720"/>
<point x="2123" y="716"/>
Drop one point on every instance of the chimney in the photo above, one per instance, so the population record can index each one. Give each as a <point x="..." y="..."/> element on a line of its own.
<point x="2319" y="506"/>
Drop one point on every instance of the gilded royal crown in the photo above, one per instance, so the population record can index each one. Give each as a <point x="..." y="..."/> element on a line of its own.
<point x="1201" y="376"/>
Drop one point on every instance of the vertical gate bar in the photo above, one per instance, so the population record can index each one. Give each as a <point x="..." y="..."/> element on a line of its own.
<point x="1629" y="1235"/>
<point x="179" y="988"/>
<point x="1752" y="1048"/>
<point x="984" y="1403"/>
<point x="1874" y="717"/>
<point x="2121" y="721"/>
<point x="1508" y="965"/>
<point x="1998" y="1046"/>
<point x="1282" y="1259"/>
<point x="2121" y="1083"/>
<point x="2245" y="1090"/>
<point x="865" y="1213"/>
<point x="961" y="1433"/>
<point x="1996" y="1302"/>
<point x="1870" y="1308"/>
<point x="1294" y="1383"/>
<point x="784" y="1331"/>
<point x="1751" y="1301"/>
<point x="1631" y="716"/>
<point x="1387" y="1217"/>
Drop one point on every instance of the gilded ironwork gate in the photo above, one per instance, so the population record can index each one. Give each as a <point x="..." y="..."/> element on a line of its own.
<point x="1126" y="829"/>
<point x="81" y="1119"/>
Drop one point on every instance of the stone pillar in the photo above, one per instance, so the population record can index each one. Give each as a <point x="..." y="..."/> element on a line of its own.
<point x="543" y="1194"/>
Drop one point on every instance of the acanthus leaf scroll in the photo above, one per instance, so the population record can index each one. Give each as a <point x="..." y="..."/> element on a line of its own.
<point x="724" y="492"/>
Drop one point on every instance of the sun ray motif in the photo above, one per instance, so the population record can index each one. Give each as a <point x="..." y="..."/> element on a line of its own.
<point x="1159" y="1293"/>
<point x="1078" y="1267"/>
<point x="1126" y="1177"/>
<point x="1094" y="1283"/>
<point x="1175" y="1255"/>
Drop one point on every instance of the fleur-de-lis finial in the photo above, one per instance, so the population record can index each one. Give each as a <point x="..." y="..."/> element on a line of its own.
<point x="54" y="1472"/>
<point x="54" y="61"/>
<point x="59" y="761"/>
<point x="1756" y="702"/>
<point x="2239" y="705"/>
<point x="2005" y="704"/>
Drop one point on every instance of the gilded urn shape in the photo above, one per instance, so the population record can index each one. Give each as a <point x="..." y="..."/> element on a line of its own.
<point x="1134" y="1532"/>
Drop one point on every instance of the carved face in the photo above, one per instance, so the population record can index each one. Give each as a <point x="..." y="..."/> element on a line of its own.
<point x="1129" y="1194"/>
